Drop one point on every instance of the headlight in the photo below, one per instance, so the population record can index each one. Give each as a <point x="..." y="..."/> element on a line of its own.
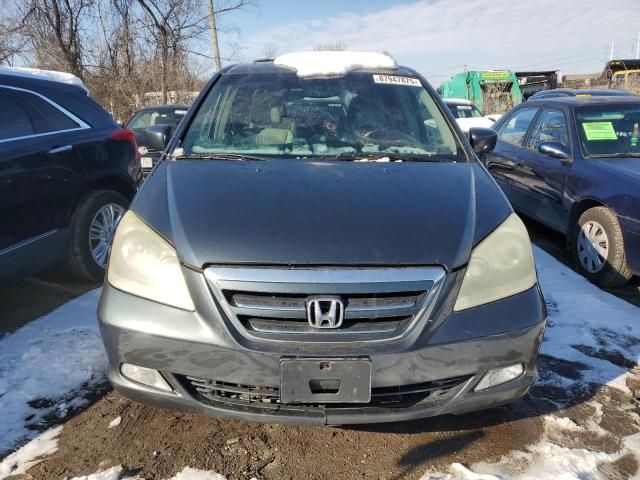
<point x="144" y="264"/>
<point x="500" y="266"/>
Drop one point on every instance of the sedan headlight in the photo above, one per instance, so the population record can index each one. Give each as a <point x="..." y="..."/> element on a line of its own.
<point x="144" y="264"/>
<point x="500" y="266"/>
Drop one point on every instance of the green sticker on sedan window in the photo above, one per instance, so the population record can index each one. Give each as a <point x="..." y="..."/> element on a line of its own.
<point x="599" y="131"/>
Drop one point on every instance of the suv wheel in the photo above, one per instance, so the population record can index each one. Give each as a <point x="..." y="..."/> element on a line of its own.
<point x="598" y="248"/>
<point x="92" y="229"/>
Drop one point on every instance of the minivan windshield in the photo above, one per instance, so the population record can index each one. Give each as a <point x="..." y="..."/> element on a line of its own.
<point x="352" y="116"/>
<point x="609" y="130"/>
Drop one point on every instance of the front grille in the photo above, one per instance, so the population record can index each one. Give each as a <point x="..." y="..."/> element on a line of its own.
<point x="222" y="393"/>
<point x="271" y="302"/>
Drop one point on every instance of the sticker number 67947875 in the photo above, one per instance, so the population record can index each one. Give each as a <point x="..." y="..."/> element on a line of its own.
<point x="396" y="80"/>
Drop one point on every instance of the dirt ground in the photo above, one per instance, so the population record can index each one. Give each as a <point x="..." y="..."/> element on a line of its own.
<point x="157" y="444"/>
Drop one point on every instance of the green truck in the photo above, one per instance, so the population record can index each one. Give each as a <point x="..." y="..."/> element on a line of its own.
<point x="492" y="91"/>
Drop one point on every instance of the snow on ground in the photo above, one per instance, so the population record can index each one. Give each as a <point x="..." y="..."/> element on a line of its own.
<point x="46" y="366"/>
<point x="115" y="422"/>
<point x="30" y="454"/>
<point x="586" y="325"/>
<point x="43" y="367"/>
<point x="311" y="64"/>
<point x="115" y="473"/>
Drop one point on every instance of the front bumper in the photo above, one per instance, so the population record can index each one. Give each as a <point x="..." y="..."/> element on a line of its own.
<point x="455" y="353"/>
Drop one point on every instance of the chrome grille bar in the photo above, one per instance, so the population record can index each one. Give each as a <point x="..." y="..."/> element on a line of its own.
<point x="270" y="302"/>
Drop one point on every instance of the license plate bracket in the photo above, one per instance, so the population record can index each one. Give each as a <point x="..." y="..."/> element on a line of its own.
<point x="316" y="380"/>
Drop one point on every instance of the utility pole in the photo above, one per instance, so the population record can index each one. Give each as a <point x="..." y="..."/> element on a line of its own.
<point x="638" y="47"/>
<point x="213" y="31"/>
<point x="612" y="47"/>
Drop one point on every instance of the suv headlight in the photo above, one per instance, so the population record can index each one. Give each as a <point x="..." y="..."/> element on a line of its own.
<point x="500" y="266"/>
<point x="144" y="264"/>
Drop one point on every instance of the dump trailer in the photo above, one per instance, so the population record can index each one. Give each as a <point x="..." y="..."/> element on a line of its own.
<point x="492" y="91"/>
<point x="534" y="82"/>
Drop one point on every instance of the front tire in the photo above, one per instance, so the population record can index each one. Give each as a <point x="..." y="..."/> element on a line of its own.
<point x="92" y="229"/>
<point x="598" y="248"/>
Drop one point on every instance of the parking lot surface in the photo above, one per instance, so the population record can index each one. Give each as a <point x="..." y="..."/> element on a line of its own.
<point x="581" y="419"/>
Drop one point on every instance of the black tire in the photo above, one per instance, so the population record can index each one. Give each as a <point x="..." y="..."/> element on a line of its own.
<point x="615" y="271"/>
<point x="80" y="262"/>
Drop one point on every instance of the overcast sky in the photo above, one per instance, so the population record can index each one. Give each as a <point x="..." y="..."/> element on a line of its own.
<point x="440" y="37"/>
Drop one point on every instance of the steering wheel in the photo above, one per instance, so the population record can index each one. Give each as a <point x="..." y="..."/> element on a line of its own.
<point x="385" y="138"/>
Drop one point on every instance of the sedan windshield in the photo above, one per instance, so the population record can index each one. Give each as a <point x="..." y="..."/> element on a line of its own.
<point x="609" y="131"/>
<point x="164" y="116"/>
<point x="354" y="116"/>
<point x="464" y="111"/>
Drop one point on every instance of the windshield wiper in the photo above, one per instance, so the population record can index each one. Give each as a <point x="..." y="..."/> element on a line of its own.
<point x="618" y="155"/>
<point x="384" y="157"/>
<point x="219" y="156"/>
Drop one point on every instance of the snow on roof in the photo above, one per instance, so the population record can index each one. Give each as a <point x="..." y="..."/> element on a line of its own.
<point x="329" y="63"/>
<point x="61" y="77"/>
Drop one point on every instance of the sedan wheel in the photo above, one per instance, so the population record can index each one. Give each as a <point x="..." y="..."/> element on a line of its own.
<point x="598" y="248"/>
<point x="101" y="231"/>
<point x="593" y="246"/>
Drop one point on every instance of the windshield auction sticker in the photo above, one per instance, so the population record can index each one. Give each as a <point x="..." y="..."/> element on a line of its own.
<point x="599" y="131"/>
<point x="395" y="80"/>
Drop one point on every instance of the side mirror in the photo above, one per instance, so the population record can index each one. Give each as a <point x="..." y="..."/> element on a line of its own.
<point x="482" y="140"/>
<point x="555" y="150"/>
<point x="157" y="137"/>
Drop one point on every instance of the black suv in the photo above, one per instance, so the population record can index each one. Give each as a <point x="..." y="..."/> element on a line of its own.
<point x="67" y="174"/>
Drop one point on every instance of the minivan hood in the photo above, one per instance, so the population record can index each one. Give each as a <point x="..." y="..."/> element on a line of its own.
<point x="297" y="212"/>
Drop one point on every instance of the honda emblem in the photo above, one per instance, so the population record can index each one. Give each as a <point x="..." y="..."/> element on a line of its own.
<point x="325" y="312"/>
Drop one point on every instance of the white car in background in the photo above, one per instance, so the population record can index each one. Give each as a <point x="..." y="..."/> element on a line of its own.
<point x="467" y="114"/>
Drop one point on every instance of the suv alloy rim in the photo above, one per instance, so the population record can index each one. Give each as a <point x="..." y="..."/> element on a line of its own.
<point x="593" y="246"/>
<point x="101" y="231"/>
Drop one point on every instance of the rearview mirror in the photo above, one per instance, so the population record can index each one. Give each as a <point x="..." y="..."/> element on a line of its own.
<point x="158" y="137"/>
<point x="482" y="140"/>
<point x="554" y="149"/>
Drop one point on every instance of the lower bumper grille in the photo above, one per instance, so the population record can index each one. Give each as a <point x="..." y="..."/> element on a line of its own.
<point x="234" y="395"/>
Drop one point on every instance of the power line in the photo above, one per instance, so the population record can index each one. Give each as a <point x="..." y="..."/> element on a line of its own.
<point x="445" y="69"/>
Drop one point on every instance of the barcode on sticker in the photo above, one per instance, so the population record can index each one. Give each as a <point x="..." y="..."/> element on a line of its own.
<point x="395" y="80"/>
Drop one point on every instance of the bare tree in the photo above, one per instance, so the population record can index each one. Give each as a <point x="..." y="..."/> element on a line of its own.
<point x="123" y="50"/>
<point x="269" y="51"/>
<point x="55" y="28"/>
<point x="12" y="40"/>
<point x="172" y="23"/>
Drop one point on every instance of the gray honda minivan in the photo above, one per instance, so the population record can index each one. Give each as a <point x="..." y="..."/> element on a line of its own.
<point x="321" y="245"/>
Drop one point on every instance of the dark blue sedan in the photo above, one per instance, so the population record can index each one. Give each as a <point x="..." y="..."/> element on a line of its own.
<point x="573" y="164"/>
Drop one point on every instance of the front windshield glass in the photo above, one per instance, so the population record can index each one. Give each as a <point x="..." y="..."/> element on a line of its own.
<point x="608" y="130"/>
<point x="464" y="111"/>
<point x="147" y="118"/>
<point x="354" y="115"/>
